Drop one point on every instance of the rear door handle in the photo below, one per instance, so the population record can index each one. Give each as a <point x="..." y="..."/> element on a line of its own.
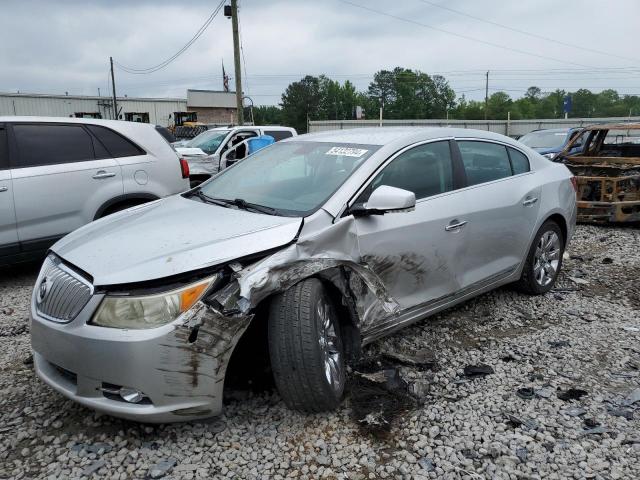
<point x="4" y="188"/>
<point x="529" y="201"/>
<point x="103" y="174"/>
<point x="454" y="225"/>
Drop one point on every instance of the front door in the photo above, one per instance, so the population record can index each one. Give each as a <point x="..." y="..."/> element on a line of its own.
<point x="58" y="182"/>
<point x="503" y="198"/>
<point x="8" y="233"/>
<point x="416" y="253"/>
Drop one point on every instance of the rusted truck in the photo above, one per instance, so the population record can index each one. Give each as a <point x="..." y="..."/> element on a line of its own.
<point x="607" y="170"/>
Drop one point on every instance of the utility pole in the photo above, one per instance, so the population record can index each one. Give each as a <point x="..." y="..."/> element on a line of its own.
<point x="236" y="60"/>
<point x="113" y="85"/>
<point x="486" y="96"/>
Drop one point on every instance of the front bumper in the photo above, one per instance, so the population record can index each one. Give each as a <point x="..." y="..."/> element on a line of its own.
<point x="180" y="371"/>
<point x="604" y="212"/>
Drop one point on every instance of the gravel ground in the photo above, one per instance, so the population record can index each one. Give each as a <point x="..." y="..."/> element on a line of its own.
<point x="583" y="336"/>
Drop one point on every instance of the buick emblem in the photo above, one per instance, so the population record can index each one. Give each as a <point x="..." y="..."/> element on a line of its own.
<point x="42" y="289"/>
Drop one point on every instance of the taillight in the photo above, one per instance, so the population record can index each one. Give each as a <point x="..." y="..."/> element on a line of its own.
<point x="574" y="182"/>
<point x="184" y="167"/>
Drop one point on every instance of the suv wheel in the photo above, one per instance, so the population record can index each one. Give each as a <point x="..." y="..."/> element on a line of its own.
<point x="307" y="356"/>
<point x="544" y="260"/>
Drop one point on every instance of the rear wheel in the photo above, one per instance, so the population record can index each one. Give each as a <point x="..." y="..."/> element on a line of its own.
<point x="307" y="355"/>
<point x="544" y="260"/>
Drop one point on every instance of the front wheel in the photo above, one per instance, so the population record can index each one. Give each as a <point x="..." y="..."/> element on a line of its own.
<point x="305" y="346"/>
<point x="544" y="260"/>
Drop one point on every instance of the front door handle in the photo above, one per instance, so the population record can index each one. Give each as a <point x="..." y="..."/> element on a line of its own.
<point x="529" y="201"/>
<point x="4" y="188"/>
<point x="454" y="225"/>
<point x="103" y="174"/>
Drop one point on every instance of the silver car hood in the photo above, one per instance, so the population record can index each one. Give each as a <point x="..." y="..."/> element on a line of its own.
<point x="168" y="237"/>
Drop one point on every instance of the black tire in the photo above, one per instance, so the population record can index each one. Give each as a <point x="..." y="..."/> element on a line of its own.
<point x="528" y="283"/>
<point x="297" y="358"/>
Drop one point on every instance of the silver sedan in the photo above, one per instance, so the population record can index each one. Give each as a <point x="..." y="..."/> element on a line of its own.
<point x="306" y="251"/>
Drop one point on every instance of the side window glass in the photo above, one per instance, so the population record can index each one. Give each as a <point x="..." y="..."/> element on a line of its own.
<point x="484" y="161"/>
<point x="425" y="170"/>
<point x="519" y="161"/>
<point x="115" y="144"/>
<point x="4" y="151"/>
<point x="47" y="144"/>
<point x="279" y="134"/>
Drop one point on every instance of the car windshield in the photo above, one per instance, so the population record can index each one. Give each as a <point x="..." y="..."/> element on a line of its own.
<point x="292" y="178"/>
<point x="544" y="139"/>
<point x="208" y="141"/>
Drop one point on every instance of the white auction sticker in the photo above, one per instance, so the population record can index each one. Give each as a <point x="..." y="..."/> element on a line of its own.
<point x="347" y="151"/>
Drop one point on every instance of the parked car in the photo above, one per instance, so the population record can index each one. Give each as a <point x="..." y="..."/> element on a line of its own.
<point x="606" y="163"/>
<point x="57" y="174"/>
<point x="207" y="153"/>
<point x="550" y="142"/>
<point x="311" y="248"/>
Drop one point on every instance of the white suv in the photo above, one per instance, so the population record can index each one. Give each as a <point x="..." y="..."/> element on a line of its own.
<point x="57" y="174"/>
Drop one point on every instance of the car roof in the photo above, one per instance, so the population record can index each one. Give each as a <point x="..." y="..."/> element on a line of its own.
<point x="553" y="130"/>
<point x="398" y="135"/>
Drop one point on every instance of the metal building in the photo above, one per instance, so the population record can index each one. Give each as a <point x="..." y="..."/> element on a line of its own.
<point x="211" y="106"/>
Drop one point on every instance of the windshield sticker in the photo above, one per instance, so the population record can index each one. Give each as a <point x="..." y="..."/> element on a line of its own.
<point x="347" y="151"/>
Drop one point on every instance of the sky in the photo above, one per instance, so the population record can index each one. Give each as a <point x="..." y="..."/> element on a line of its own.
<point x="64" y="45"/>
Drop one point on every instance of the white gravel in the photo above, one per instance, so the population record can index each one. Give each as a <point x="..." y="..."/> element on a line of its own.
<point x="585" y="336"/>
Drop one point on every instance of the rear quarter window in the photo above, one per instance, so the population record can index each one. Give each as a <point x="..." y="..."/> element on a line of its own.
<point x="114" y="143"/>
<point x="279" y="134"/>
<point x="519" y="161"/>
<point x="47" y="144"/>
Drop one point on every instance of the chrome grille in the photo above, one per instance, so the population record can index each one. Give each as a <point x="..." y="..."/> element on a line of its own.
<point x="60" y="292"/>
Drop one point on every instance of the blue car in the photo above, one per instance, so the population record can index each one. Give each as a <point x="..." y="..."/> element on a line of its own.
<point x="550" y="142"/>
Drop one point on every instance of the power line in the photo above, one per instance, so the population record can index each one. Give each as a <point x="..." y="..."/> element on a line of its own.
<point x="460" y="35"/>
<point x="523" y="32"/>
<point x="185" y="47"/>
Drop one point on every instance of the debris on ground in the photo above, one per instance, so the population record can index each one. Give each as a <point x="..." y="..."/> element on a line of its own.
<point x="162" y="468"/>
<point x="476" y="371"/>
<point x="526" y="393"/>
<point x="571" y="394"/>
<point x="377" y="398"/>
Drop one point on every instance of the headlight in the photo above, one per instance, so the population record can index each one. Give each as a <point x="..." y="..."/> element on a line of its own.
<point x="149" y="311"/>
<point x="549" y="155"/>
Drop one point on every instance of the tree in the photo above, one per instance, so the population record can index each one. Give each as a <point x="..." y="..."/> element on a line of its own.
<point x="499" y="105"/>
<point x="301" y="102"/>
<point x="267" y="115"/>
<point x="407" y="93"/>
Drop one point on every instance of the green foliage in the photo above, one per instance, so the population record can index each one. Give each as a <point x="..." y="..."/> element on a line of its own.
<point x="267" y="115"/>
<point x="412" y="94"/>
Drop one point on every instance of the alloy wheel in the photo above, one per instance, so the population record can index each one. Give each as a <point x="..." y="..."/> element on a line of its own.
<point x="547" y="258"/>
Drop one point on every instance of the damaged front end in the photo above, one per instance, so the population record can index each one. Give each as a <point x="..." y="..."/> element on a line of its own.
<point x="176" y="371"/>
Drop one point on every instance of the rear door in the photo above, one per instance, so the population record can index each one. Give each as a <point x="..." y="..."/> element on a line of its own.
<point x="503" y="200"/>
<point x="414" y="253"/>
<point x="8" y="233"/>
<point x="61" y="176"/>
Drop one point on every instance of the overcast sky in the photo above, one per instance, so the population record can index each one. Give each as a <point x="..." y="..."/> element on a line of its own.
<point x="64" y="45"/>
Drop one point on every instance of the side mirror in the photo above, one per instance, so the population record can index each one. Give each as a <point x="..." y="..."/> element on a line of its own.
<point x="386" y="199"/>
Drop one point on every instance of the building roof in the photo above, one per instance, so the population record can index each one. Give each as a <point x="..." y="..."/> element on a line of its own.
<point x="90" y="97"/>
